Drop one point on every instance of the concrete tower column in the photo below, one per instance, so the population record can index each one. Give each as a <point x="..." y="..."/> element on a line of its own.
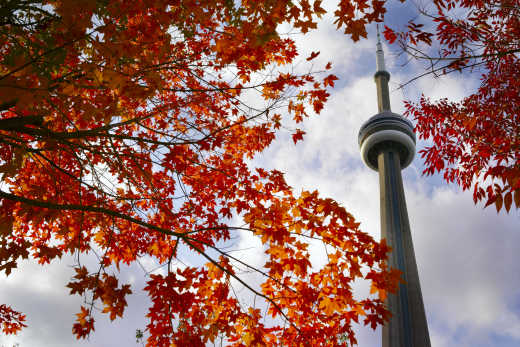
<point x="387" y="143"/>
<point x="408" y="326"/>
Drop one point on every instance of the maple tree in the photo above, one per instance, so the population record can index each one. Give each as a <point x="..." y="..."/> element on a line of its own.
<point x="125" y="131"/>
<point x="475" y="142"/>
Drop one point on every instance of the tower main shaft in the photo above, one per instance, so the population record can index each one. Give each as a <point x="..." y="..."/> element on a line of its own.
<point x="387" y="143"/>
<point x="408" y="326"/>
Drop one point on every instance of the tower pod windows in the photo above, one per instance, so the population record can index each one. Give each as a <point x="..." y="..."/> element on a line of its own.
<point x="385" y="130"/>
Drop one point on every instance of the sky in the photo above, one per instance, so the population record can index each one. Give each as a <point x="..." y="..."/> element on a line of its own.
<point x="467" y="256"/>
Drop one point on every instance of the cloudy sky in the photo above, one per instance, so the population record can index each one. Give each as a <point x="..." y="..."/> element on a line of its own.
<point x="467" y="256"/>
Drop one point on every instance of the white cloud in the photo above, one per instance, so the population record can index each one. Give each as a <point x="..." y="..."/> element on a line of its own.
<point x="467" y="260"/>
<point x="40" y="293"/>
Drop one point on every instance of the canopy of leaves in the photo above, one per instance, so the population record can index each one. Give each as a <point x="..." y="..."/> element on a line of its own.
<point x="125" y="131"/>
<point x="476" y="142"/>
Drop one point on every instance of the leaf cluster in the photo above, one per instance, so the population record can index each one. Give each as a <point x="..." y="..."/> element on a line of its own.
<point x="475" y="142"/>
<point x="126" y="132"/>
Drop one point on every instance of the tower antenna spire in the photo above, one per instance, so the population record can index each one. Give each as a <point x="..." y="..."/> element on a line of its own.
<point x="381" y="77"/>
<point x="380" y="54"/>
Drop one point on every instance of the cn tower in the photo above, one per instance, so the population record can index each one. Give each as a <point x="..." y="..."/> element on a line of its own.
<point x="387" y="143"/>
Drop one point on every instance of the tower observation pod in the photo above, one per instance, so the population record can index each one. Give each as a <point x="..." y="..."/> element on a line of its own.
<point x="387" y="144"/>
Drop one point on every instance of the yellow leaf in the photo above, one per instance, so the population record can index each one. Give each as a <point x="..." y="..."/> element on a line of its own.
<point x="359" y="310"/>
<point x="247" y="338"/>
<point x="99" y="76"/>
<point x="99" y="237"/>
<point x="328" y="306"/>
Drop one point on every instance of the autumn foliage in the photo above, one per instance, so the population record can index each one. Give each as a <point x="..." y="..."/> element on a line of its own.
<point x="126" y="131"/>
<point x="475" y="142"/>
<point x="10" y="320"/>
